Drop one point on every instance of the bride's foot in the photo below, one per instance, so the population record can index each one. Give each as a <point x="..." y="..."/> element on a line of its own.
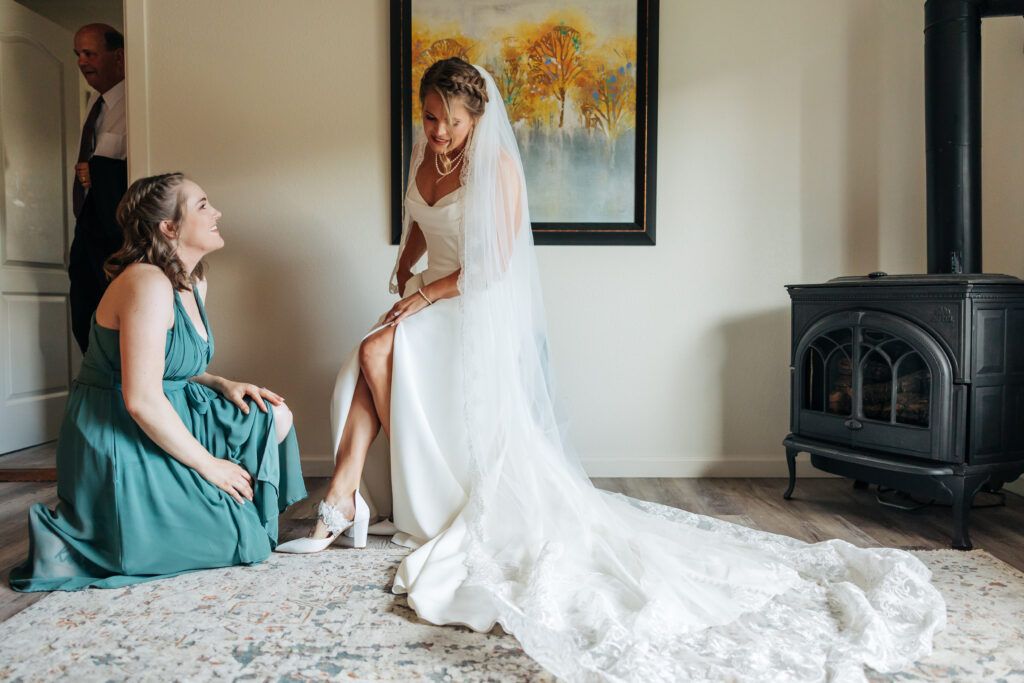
<point x="320" y="531"/>
<point x="331" y="523"/>
<point x="346" y="507"/>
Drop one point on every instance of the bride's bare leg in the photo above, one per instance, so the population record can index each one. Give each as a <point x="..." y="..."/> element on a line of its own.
<point x="375" y="356"/>
<point x="370" y="410"/>
<point x="360" y="429"/>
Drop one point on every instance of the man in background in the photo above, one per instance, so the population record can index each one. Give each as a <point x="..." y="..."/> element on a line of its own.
<point x="101" y="172"/>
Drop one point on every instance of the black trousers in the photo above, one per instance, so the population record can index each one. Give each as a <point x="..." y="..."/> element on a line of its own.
<point x="97" y="236"/>
<point x="84" y="297"/>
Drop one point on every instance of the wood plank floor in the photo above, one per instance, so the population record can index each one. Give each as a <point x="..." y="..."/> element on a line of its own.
<point x="38" y="463"/>
<point x="43" y="455"/>
<point x="820" y="509"/>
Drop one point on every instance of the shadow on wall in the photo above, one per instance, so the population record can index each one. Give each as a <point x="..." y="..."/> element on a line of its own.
<point x="755" y="386"/>
<point x="840" y="206"/>
<point x="270" y="310"/>
<point x="860" y="217"/>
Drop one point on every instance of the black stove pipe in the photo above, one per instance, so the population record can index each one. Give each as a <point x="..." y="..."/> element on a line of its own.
<point x="952" y="75"/>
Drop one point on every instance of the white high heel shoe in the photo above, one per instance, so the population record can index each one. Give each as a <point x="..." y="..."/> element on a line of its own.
<point x="337" y="525"/>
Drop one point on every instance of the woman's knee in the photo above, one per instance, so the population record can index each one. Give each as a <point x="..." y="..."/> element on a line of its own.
<point x="374" y="352"/>
<point x="282" y="421"/>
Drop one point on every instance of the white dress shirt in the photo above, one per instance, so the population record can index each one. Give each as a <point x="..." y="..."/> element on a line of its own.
<point x="111" y="140"/>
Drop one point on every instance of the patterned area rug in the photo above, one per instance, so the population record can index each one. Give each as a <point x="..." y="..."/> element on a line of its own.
<point x="331" y="616"/>
<point x="984" y="636"/>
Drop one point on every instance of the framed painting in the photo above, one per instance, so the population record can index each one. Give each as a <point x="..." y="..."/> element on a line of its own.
<point x="579" y="83"/>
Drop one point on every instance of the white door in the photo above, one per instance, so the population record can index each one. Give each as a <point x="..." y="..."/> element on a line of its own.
<point x="38" y="141"/>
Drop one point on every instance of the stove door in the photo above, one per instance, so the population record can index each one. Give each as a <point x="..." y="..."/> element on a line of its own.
<point x="874" y="381"/>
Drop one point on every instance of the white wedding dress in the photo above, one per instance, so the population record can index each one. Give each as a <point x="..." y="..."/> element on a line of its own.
<point x="725" y="601"/>
<point x="506" y="528"/>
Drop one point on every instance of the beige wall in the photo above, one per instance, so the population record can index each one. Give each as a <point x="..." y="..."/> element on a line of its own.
<point x="790" y="149"/>
<point x="1003" y="152"/>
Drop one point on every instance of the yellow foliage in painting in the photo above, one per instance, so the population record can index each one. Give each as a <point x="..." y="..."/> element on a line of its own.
<point x="556" y="60"/>
<point x="606" y="91"/>
<point x="514" y="80"/>
<point x="538" y="68"/>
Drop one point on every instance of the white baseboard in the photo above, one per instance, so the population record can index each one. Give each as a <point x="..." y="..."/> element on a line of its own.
<point x="769" y="466"/>
<point x="772" y="466"/>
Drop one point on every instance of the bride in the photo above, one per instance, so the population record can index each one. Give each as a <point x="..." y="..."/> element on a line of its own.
<point x="506" y="526"/>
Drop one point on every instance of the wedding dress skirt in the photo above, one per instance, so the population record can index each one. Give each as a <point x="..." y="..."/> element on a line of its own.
<point x="599" y="586"/>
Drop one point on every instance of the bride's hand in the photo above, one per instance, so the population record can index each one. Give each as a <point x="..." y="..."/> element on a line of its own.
<point x="403" y="308"/>
<point x="237" y="391"/>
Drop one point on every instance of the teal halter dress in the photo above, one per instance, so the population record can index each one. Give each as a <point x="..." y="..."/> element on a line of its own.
<point x="128" y="511"/>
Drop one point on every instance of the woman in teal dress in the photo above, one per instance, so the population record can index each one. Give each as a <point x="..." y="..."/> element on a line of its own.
<point x="162" y="467"/>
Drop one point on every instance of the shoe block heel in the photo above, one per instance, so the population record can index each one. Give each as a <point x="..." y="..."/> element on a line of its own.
<point x="357" y="532"/>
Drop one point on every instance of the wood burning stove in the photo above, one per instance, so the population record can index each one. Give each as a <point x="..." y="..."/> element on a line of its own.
<point x="912" y="382"/>
<point x="916" y="382"/>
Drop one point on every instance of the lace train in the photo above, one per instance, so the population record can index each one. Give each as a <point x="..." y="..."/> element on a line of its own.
<point x="832" y="608"/>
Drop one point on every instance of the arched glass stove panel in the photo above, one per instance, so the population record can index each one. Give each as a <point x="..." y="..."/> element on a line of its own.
<point x="828" y="373"/>
<point x="873" y="380"/>
<point x="895" y="380"/>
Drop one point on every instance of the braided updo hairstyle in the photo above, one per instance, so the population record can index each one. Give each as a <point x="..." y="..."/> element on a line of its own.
<point x="146" y="203"/>
<point x="454" y="77"/>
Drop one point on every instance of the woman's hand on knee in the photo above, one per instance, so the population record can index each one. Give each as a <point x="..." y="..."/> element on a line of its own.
<point x="228" y="477"/>
<point x="403" y="308"/>
<point x="237" y="391"/>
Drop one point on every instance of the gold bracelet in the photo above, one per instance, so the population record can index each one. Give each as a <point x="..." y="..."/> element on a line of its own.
<point x="429" y="302"/>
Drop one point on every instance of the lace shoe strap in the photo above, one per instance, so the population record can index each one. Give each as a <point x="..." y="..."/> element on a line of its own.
<point x="332" y="517"/>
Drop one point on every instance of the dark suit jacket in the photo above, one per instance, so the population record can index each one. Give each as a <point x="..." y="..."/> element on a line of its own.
<point x="97" y="236"/>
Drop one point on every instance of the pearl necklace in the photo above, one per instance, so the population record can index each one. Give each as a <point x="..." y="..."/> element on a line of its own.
<point x="454" y="165"/>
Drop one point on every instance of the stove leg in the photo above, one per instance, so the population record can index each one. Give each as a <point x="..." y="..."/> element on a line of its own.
<point x="791" y="461"/>
<point x="961" y="509"/>
<point x="963" y="489"/>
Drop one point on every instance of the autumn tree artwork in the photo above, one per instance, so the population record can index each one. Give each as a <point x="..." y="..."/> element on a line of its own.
<point x="567" y="77"/>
